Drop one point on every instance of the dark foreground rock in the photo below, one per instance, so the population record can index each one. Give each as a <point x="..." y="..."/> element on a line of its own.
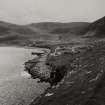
<point x="37" y="67"/>
<point x="82" y="79"/>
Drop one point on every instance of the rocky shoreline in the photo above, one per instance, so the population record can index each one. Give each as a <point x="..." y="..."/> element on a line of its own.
<point x="37" y="67"/>
<point x="41" y="68"/>
<point x="76" y="78"/>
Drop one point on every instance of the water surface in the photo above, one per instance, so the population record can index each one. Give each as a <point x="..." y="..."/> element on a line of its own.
<point x="15" y="87"/>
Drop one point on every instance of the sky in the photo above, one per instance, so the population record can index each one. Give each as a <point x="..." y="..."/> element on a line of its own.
<point x="32" y="11"/>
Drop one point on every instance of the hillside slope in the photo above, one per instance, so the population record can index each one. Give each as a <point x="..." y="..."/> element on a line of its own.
<point x="84" y="80"/>
<point x="97" y="28"/>
<point x="21" y="34"/>
<point x="46" y="31"/>
<point x="64" y="31"/>
<point x="50" y="31"/>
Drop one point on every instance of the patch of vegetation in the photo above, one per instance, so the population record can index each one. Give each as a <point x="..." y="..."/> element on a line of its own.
<point x="59" y="66"/>
<point x="84" y="80"/>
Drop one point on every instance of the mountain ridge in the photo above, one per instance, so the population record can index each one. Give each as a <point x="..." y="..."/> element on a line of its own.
<point x="97" y="28"/>
<point x="51" y="31"/>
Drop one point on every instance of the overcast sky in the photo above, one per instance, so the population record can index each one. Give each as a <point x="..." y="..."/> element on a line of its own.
<point x="28" y="11"/>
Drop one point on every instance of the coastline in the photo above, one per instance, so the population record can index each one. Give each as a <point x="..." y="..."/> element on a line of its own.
<point x="83" y="82"/>
<point x="36" y="66"/>
<point x="15" y="87"/>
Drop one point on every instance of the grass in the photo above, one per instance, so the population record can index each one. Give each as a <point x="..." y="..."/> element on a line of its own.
<point x="84" y="80"/>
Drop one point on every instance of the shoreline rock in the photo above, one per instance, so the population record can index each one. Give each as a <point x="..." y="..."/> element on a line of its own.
<point x="37" y="67"/>
<point x="84" y="81"/>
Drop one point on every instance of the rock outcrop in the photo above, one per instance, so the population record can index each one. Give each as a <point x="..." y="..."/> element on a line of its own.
<point x="83" y="82"/>
<point x="37" y="67"/>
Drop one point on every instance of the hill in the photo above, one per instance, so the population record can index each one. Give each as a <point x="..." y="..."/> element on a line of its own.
<point x="62" y="31"/>
<point x="55" y="32"/>
<point x="97" y="28"/>
<point x="53" y="26"/>
<point x="45" y="31"/>
<point x="20" y="34"/>
<point x="80" y="78"/>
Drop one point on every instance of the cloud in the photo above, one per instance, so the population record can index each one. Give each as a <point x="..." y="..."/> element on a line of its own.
<point x="26" y="11"/>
